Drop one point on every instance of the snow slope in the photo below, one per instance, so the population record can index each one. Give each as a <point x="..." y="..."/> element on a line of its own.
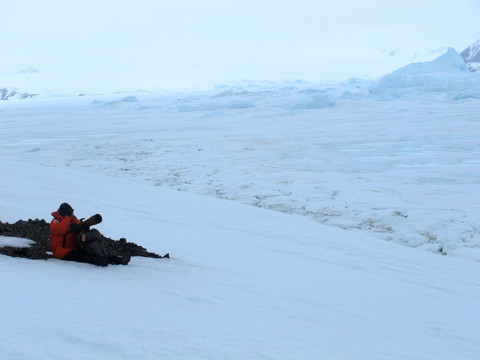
<point x="243" y="283"/>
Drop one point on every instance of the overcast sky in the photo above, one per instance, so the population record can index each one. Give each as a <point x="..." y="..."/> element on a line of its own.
<point x="230" y="39"/>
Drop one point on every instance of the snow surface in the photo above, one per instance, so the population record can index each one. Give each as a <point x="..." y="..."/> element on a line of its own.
<point x="15" y="242"/>
<point x="353" y="171"/>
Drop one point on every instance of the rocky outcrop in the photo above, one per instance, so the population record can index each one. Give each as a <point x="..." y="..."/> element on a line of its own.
<point x="39" y="231"/>
<point x="10" y="93"/>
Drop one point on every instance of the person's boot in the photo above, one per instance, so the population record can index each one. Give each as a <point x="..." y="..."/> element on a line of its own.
<point x="119" y="260"/>
<point x="100" y="261"/>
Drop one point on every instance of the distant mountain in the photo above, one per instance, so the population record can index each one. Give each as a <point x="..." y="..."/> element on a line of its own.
<point x="471" y="55"/>
<point x="29" y="70"/>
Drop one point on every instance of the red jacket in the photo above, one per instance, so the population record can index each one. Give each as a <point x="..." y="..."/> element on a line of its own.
<point x="62" y="239"/>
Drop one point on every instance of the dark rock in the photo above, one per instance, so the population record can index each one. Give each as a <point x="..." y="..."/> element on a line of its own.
<point x="7" y="93"/>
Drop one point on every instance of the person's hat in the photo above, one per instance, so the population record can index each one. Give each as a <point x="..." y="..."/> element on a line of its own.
<point x="65" y="209"/>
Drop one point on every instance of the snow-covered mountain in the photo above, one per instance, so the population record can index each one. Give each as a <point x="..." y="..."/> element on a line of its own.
<point x="471" y="55"/>
<point x="13" y="85"/>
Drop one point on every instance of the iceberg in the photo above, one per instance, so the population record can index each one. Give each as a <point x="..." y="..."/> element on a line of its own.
<point x="448" y="72"/>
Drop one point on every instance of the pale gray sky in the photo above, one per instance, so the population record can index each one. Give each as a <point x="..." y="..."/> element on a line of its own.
<point x="200" y="40"/>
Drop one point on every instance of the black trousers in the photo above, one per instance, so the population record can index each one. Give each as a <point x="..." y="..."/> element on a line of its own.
<point x="84" y="257"/>
<point x="80" y="256"/>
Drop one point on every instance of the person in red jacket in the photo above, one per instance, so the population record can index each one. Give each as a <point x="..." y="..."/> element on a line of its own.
<point x="63" y="233"/>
